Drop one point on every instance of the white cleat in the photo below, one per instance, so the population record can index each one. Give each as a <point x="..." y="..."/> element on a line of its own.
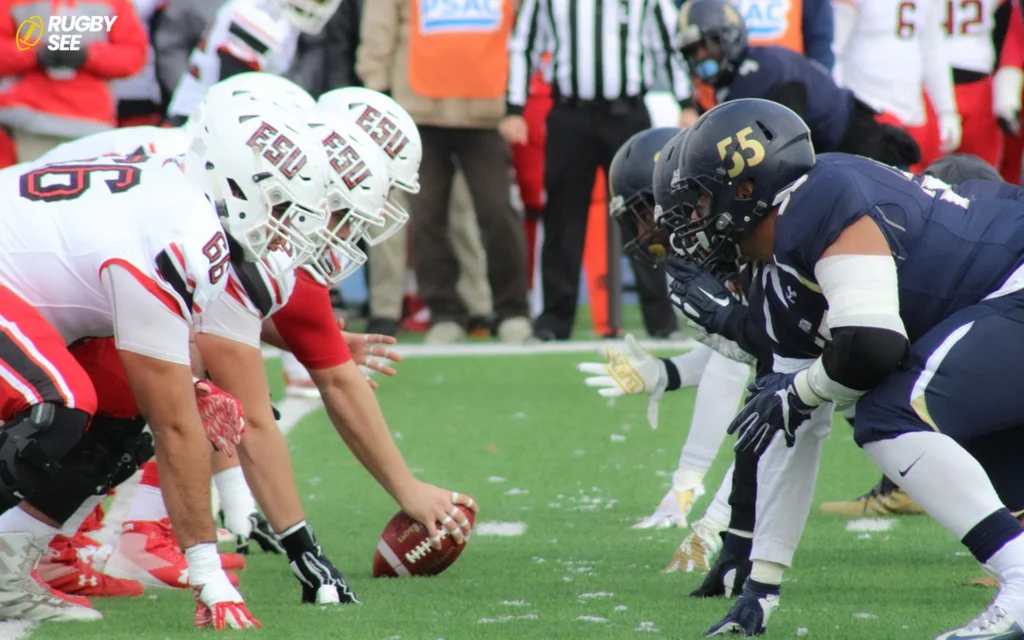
<point x="993" y="623"/>
<point x="674" y="508"/>
<point x="698" y="548"/>
<point x="23" y="596"/>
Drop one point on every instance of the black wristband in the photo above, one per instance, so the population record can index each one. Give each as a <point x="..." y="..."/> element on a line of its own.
<point x="299" y="542"/>
<point x="674" y="380"/>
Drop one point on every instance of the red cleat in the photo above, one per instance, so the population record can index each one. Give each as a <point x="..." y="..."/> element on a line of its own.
<point x="148" y="552"/>
<point x="62" y="569"/>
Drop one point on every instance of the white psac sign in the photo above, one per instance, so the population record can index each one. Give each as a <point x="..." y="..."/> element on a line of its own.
<point x="66" y="31"/>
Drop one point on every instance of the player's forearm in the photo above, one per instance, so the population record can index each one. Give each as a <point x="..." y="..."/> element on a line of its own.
<point x="355" y="413"/>
<point x="183" y="456"/>
<point x="272" y="336"/>
<point x="268" y="470"/>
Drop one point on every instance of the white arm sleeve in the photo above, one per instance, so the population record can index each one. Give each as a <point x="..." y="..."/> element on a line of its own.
<point x="143" y="324"/>
<point x="229" y="319"/>
<point x="862" y="291"/>
<point x="938" y="76"/>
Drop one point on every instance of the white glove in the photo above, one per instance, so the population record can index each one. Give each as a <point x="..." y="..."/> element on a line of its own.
<point x="949" y="132"/>
<point x="630" y="373"/>
<point x="1007" y="85"/>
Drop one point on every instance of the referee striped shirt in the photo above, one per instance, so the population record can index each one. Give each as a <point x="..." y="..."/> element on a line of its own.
<point x="601" y="49"/>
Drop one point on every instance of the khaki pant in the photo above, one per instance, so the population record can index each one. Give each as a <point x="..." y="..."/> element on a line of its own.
<point x="32" y="146"/>
<point x="389" y="262"/>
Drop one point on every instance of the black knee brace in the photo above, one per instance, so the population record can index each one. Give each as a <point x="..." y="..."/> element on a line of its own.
<point x="107" y="455"/>
<point x="32" y="446"/>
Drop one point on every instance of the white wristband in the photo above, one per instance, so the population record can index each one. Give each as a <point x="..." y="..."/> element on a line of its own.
<point x="203" y="563"/>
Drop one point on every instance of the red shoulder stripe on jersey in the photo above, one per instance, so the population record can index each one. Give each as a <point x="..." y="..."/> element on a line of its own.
<point x="254" y="30"/>
<point x="181" y="264"/>
<point x="171" y="301"/>
<point x="20" y="385"/>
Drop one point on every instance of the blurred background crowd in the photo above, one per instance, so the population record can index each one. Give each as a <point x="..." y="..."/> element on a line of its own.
<point x="521" y="107"/>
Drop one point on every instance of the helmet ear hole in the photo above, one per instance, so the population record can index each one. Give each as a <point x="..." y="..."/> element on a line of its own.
<point x="236" y="191"/>
<point x="745" y="189"/>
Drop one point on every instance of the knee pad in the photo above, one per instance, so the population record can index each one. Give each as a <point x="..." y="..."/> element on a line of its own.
<point x="107" y="455"/>
<point x="33" y="444"/>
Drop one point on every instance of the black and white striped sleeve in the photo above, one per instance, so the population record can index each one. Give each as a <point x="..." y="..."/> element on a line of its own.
<point x="524" y="49"/>
<point x="661" y="17"/>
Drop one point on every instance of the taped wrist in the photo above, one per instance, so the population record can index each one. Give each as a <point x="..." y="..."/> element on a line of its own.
<point x="856" y="361"/>
<point x="203" y="563"/>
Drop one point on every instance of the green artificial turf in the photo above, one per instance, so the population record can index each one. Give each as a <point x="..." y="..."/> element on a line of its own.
<point x="533" y="445"/>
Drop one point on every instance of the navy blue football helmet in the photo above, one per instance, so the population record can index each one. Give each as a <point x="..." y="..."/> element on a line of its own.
<point x="735" y="161"/>
<point x="961" y="167"/>
<point x="712" y="37"/>
<point x="630" y="179"/>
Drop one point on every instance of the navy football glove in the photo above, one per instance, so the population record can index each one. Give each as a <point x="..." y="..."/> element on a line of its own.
<point x="701" y="296"/>
<point x="749" y="615"/>
<point x="774" y="407"/>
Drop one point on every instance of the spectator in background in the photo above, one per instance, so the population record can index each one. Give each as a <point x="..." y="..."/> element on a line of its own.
<point x="48" y="97"/>
<point x="250" y="35"/>
<point x="139" y="99"/>
<point x="600" y="82"/>
<point x="388" y="261"/>
<point x="723" y="66"/>
<point x="986" y="54"/>
<point x="446" y="67"/>
<point x="889" y="53"/>
<point x="806" y="28"/>
<point x="181" y="28"/>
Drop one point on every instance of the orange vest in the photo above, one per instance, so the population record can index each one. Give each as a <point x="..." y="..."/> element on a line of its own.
<point x="774" y="22"/>
<point x="459" y="48"/>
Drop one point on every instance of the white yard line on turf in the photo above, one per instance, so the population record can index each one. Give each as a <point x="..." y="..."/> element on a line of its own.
<point x="293" y="410"/>
<point x="500" y="349"/>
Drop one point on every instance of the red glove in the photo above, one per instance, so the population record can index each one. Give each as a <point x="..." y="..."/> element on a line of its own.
<point x="222" y="416"/>
<point x="222" y="614"/>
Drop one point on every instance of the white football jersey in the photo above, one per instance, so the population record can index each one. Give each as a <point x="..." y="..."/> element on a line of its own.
<point x="143" y="85"/>
<point x="65" y="223"/>
<point x="968" y="26"/>
<point x="125" y="141"/>
<point x="253" y="31"/>
<point x="882" y="62"/>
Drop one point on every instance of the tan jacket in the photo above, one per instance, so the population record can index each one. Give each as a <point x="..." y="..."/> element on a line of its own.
<point x="382" y="62"/>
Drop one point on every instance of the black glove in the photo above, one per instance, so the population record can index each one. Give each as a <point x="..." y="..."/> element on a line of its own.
<point x="262" y="534"/>
<point x="60" y="59"/>
<point x="701" y="296"/>
<point x="321" y="582"/>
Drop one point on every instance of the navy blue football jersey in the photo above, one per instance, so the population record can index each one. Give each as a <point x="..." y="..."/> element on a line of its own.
<point x="792" y="314"/>
<point x="829" y="108"/>
<point x="950" y="252"/>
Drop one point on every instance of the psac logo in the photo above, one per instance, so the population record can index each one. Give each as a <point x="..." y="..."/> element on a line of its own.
<point x="65" y="31"/>
<point x="438" y="16"/>
<point x="765" y="19"/>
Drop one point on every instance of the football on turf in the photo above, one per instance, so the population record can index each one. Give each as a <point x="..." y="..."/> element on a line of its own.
<point x="404" y="549"/>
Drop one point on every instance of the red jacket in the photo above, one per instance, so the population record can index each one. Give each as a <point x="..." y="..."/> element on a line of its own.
<point x="83" y="104"/>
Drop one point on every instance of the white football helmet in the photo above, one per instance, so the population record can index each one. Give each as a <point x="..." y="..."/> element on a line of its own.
<point x="392" y="128"/>
<point x="308" y="16"/>
<point x="356" y="197"/>
<point x="267" y="175"/>
<point x="256" y="84"/>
